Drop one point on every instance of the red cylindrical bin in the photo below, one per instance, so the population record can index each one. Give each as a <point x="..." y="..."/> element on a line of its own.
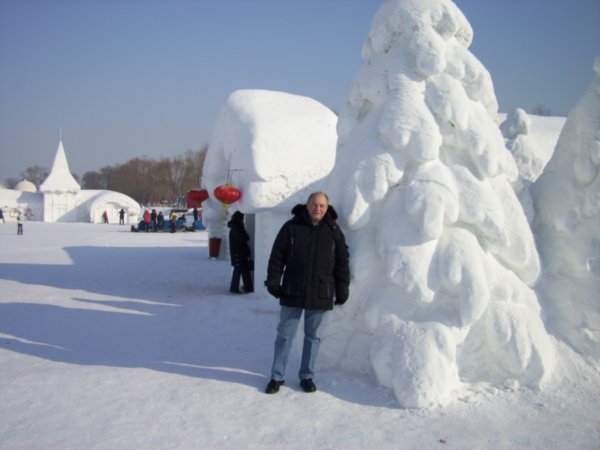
<point x="214" y="247"/>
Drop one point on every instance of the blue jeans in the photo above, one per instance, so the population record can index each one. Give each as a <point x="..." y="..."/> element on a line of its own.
<point x="286" y="331"/>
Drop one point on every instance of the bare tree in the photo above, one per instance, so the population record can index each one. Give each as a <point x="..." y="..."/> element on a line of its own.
<point x="541" y="110"/>
<point x="133" y="178"/>
<point x="36" y="174"/>
<point x="150" y="181"/>
<point x="93" y="180"/>
<point x="10" y="183"/>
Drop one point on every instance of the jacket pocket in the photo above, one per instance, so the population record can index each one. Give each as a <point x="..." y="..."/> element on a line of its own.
<point x="326" y="286"/>
<point x="292" y="285"/>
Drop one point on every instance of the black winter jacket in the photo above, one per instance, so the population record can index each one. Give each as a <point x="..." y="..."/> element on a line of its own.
<point x="313" y="260"/>
<point x="239" y="250"/>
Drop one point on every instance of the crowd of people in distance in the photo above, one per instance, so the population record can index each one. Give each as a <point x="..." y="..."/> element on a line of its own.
<point x="155" y="221"/>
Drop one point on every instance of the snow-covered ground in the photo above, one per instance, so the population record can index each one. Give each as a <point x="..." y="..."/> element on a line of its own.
<point x="457" y="334"/>
<point x="112" y="339"/>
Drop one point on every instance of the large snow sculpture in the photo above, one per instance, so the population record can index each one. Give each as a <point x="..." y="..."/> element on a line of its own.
<point x="442" y="254"/>
<point x="567" y="225"/>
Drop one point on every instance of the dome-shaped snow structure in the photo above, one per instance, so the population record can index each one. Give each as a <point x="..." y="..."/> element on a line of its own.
<point x="25" y="186"/>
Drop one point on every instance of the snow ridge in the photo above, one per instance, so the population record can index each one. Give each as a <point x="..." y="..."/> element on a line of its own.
<point x="567" y="227"/>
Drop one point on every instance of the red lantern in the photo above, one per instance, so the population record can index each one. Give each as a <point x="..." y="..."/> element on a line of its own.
<point x="195" y="197"/>
<point x="227" y="194"/>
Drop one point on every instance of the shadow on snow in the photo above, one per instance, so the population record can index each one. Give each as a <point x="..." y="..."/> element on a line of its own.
<point x="165" y="316"/>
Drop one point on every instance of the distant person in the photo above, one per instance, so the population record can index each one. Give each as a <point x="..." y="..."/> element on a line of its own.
<point x="2" y="216"/>
<point x="307" y="268"/>
<point x="241" y="257"/>
<point x="105" y="217"/>
<point x="173" y="222"/>
<point x="153" y="218"/>
<point x="20" y="220"/>
<point x="146" y="220"/>
<point x="196" y="224"/>
<point x="160" y="220"/>
<point x="122" y="217"/>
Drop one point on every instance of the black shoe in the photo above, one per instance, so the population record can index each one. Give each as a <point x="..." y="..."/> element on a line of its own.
<point x="273" y="386"/>
<point x="234" y="291"/>
<point x="308" y="385"/>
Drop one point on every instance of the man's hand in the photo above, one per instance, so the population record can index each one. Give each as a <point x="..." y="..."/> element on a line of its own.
<point x="274" y="290"/>
<point x="341" y="296"/>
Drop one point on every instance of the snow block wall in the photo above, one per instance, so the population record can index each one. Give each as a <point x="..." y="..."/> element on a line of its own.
<point x="442" y="255"/>
<point x="276" y="148"/>
<point x="567" y="227"/>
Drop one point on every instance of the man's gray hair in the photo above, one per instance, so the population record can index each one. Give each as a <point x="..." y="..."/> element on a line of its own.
<point x="314" y="194"/>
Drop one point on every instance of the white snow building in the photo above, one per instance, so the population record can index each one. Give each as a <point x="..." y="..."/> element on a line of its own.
<point x="60" y="189"/>
<point x="276" y="148"/>
<point x="61" y="199"/>
<point x="25" y="186"/>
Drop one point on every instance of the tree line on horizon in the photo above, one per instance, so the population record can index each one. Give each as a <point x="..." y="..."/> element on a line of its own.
<point x="146" y="180"/>
<point x="151" y="181"/>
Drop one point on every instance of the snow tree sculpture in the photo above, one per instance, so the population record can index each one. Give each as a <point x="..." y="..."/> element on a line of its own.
<point x="567" y="225"/>
<point x="443" y="258"/>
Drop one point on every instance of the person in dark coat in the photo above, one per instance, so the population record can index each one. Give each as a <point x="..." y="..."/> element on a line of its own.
<point x="122" y="217"/>
<point x="308" y="272"/>
<point x="20" y="220"/>
<point x="153" y="218"/>
<point x="241" y="257"/>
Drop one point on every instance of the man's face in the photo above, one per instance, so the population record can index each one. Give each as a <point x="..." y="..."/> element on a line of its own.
<point x="317" y="207"/>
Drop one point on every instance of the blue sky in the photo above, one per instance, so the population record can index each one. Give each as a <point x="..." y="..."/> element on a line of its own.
<point x="127" y="78"/>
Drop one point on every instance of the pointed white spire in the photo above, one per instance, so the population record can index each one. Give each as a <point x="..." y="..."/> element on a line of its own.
<point x="60" y="178"/>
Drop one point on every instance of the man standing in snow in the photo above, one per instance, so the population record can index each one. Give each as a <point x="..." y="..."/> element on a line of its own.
<point x="311" y="254"/>
<point x="241" y="256"/>
<point x="20" y="220"/>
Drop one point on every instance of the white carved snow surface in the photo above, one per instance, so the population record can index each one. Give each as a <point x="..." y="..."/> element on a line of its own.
<point x="442" y="255"/>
